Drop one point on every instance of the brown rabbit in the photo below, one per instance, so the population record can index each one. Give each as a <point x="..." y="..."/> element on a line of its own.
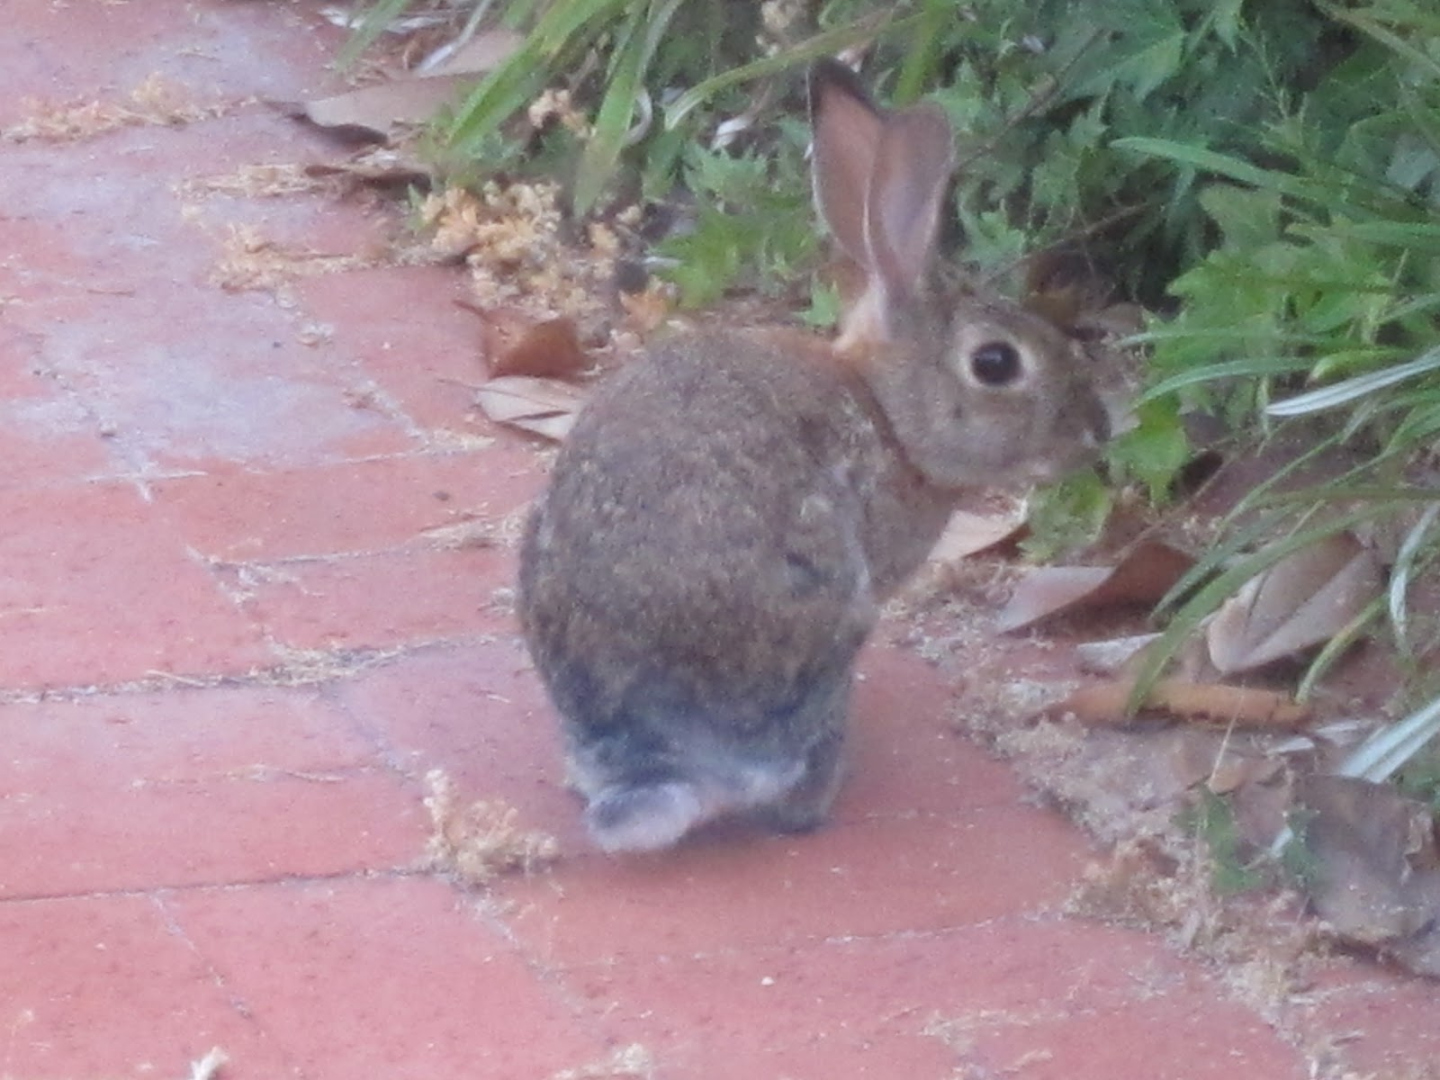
<point x="731" y="510"/>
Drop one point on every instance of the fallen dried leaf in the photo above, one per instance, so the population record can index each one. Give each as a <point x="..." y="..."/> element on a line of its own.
<point x="1234" y="771"/>
<point x="1049" y="590"/>
<point x="1143" y="576"/>
<point x="1302" y="601"/>
<point x="1104" y="703"/>
<point x="1375" y="868"/>
<point x="544" y="406"/>
<point x="1193" y="753"/>
<point x="968" y="533"/>
<point x="376" y="111"/>
<point x="514" y="344"/>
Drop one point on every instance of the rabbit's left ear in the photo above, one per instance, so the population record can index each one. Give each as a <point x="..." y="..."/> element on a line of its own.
<point x="845" y="129"/>
<point x="878" y="176"/>
<point x="879" y="180"/>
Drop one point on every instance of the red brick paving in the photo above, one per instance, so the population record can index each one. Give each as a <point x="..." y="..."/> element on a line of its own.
<point x="232" y="644"/>
<point x="99" y="591"/>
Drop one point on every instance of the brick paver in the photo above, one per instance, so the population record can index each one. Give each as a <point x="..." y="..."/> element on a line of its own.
<point x="237" y="630"/>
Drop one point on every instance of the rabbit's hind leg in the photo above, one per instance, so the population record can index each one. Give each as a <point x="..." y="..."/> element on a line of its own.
<point x="806" y="803"/>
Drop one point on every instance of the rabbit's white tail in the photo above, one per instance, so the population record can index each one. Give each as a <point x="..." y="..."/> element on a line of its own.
<point x="647" y="817"/>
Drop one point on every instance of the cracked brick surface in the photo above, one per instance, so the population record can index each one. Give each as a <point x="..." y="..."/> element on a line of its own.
<point x="255" y="574"/>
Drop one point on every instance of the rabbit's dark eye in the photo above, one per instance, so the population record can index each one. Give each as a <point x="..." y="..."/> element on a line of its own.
<point x="996" y="363"/>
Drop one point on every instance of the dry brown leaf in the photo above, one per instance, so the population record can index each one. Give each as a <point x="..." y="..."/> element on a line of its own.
<point x="1302" y="601"/>
<point x="1047" y="591"/>
<point x="375" y="111"/>
<point x="1234" y="771"/>
<point x="1143" y="576"/>
<point x="1104" y="703"/>
<point x="1375" y="876"/>
<point x="968" y="533"/>
<point x="544" y="406"/>
<point x="1208" y="756"/>
<point x="1261" y="807"/>
<point x="515" y="344"/>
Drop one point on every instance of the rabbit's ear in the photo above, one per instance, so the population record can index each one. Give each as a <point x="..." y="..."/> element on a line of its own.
<point x="846" y="130"/>
<point x="911" y="171"/>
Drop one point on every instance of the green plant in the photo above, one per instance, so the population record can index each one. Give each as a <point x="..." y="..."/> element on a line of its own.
<point x="1263" y="174"/>
<point x="1212" y="822"/>
<point x="1292" y="849"/>
<point x="752" y="220"/>
<point x="1420" y="779"/>
<point x="1324" y="267"/>
<point x="1069" y="514"/>
<point x="637" y="52"/>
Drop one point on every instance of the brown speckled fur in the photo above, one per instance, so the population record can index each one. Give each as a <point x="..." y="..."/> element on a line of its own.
<point x="731" y="509"/>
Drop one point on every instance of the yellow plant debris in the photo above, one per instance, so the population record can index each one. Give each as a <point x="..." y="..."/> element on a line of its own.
<point x="156" y="102"/>
<point x="479" y="842"/>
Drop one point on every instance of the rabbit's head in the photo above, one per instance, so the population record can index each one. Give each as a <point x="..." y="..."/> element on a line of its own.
<point x="977" y="389"/>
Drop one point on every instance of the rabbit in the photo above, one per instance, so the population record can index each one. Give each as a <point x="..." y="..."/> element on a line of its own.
<point x="732" y="508"/>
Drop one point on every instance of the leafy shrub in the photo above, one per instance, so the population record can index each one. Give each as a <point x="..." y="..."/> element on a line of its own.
<point x="1264" y="175"/>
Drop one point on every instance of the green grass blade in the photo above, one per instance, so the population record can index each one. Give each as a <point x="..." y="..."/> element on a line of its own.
<point x="917" y="70"/>
<point x="1401" y="572"/>
<point x="1388" y="750"/>
<point x="1230" y="369"/>
<point x="1410" y="235"/>
<point x="1343" y="638"/>
<point x="372" y="25"/>
<point x="612" y="123"/>
<point x="1342" y="393"/>
<point x="826" y="43"/>
<point x="565" y="24"/>
<point x="1223" y="164"/>
<point x="1393" y="41"/>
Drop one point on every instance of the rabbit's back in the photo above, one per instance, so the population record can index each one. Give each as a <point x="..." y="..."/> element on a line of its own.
<point x="702" y="549"/>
